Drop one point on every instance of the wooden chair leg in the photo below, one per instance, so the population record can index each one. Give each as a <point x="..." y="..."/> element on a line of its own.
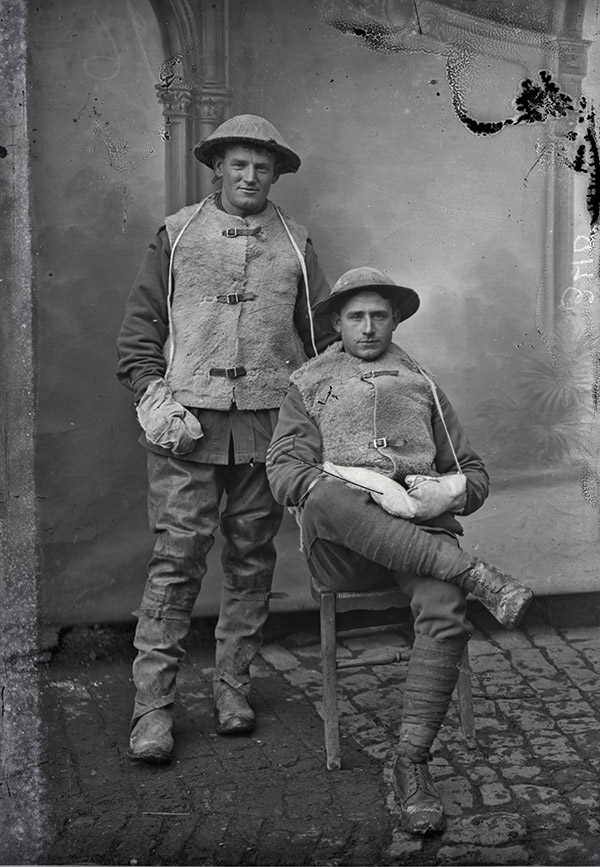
<point x="329" y="672"/>
<point x="465" y="701"/>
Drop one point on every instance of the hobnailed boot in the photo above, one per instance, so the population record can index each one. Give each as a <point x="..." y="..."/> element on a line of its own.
<point x="432" y="674"/>
<point x="159" y="644"/>
<point x="420" y="805"/>
<point x="505" y="597"/>
<point x="239" y="638"/>
<point x="151" y="739"/>
<point x="233" y="714"/>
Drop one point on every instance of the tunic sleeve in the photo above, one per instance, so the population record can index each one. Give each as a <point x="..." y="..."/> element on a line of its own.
<point x="145" y="325"/>
<point x="470" y="462"/>
<point x="318" y="289"/>
<point x="295" y="452"/>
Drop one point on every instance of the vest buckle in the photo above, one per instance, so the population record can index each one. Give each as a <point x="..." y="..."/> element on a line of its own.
<point x="230" y="233"/>
<point x="228" y="372"/>
<point x="232" y="297"/>
<point x="379" y="443"/>
<point x="371" y="374"/>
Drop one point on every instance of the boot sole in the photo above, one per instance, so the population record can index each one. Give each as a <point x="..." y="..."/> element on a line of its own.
<point x="513" y="608"/>
<point x="153" y="757"/>
<point x="234" y="726"/>
<point x="428" y="828"/>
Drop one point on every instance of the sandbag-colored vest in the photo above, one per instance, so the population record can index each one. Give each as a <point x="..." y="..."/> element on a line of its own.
<point x="232" y="309"/>
<point x="374" y="414"/>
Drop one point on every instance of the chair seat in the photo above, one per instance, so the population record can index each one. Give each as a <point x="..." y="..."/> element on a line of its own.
<point x="356" y="600"/>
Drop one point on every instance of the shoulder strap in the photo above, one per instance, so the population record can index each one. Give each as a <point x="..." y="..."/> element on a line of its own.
<point x="441" y="414"/>
<point x="170" y="284"/>
<point x="304" y="277"/>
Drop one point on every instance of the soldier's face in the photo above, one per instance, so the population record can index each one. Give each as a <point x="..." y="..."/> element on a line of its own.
<point x="247" y="175"/>
<point x="366" y="324"/>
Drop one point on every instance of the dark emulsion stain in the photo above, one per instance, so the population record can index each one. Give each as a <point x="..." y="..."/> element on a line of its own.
<point x="535" y="102"/>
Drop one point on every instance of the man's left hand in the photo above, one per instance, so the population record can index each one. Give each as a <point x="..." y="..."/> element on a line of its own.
<point x="434" y="495"/>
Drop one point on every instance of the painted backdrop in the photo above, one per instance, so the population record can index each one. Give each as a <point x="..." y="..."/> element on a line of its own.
<point x="402" y="169"/>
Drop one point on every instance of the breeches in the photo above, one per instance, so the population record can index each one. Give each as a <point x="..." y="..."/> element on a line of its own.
<point x="183" y="509"/>
<point x="343" y="529"/>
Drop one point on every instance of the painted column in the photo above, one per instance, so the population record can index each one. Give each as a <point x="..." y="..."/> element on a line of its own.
<point x="213" y="98"/>
<point x="176" y="103"/>
<point x="210" y="111"/>
<point x="194" y="90"/>
<point x="562" y="189"/>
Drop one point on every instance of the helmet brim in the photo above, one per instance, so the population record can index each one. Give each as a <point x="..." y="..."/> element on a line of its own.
<point x="287" y="160"/>
<point x="404" y="299"/>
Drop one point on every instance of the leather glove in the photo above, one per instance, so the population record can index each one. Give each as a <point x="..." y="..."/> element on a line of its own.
<point x="434" y="495"/>
<point x="166" y="422"/>
<point x="384" y="491"/>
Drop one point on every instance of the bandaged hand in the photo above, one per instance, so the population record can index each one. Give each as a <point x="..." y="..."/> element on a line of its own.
<point x="434" y="495"/>
<point x="384" y="491"/>
<point x="166" y="422"/>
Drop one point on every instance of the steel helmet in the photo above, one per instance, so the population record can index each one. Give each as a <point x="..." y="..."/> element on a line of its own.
<point x="248" y="129"/>
<point x="404" y="299"/>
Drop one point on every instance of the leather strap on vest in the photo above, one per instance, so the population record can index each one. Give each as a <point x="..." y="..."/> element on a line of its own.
<point x="373" y="373"/>
<point x="235" y="297"/>
<point x="229" y="372"/>
<point x="236" y="233"/>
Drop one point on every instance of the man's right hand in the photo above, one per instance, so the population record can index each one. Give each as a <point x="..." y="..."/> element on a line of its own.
<point x="166" y="422"/>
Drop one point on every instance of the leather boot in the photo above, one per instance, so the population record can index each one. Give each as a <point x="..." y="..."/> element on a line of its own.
<point x="151" y="739"/>
<point x="233" y="714"/>
<point x="432" y="674"/>
<point x="420" y="805"/>
<point x="159" y="642"/>
<point x="505" y="597"/>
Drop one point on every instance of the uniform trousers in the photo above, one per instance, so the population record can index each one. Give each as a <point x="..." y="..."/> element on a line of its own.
<point x="351" y="544"/>
<point x="184" y="508"/>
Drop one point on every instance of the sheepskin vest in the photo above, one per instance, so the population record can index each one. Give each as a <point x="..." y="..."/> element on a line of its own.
<point x="232" y="309"/>
<point x="374" y="414"/>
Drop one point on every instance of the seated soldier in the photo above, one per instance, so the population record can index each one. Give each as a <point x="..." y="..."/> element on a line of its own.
<point x="372" y="458"/>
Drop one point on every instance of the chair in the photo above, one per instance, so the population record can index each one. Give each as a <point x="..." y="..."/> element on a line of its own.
<point x="330" y="603"/>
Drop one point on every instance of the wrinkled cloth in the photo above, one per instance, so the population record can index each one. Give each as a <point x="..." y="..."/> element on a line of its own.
<point x="434" y="495"/>
<point x="183" y="509"/>
<point x="438" y="607"/>
<point x="166" y="422"/>
<point x="433" y="671"/>
<point x="295" y="454"/>
<point x="344" y="515"/>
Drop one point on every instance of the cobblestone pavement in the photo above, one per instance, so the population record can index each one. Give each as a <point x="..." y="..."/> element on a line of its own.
<point x="529" y="794"/>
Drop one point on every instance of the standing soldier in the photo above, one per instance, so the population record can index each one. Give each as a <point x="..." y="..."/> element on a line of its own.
<point x="218" y="318"/>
